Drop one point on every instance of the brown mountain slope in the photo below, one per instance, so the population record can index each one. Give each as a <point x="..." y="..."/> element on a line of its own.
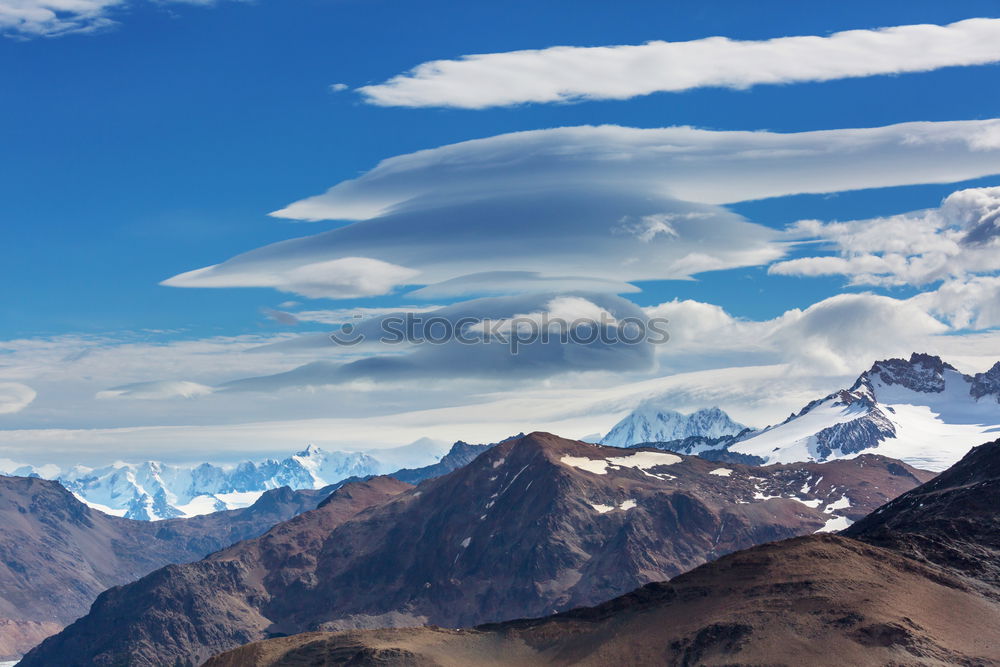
<point x="817" y="600"/>
<point x="57" y="554"/>
<point x="952" y="521"/>
<point x="173" y="618"/>
<point x="530" y="526"/>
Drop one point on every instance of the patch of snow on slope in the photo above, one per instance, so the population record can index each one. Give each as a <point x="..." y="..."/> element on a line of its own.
<point x="596" y="466"/>
<point x="835" y="524"/>
<point x="640" y="461"/>
<point x="841" y="504"/>
<point x="625" y="506"/>
<point x="721" y="472"/>
<point x="645" y="460"/>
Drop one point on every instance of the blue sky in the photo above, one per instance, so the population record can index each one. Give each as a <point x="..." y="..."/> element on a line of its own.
<point x="159" y="144"/>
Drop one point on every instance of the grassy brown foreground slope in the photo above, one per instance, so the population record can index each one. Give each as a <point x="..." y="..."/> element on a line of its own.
<point x="816" y="600"/>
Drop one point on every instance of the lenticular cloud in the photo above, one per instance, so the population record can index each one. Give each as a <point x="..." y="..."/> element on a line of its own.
<point x="611" y="204"/>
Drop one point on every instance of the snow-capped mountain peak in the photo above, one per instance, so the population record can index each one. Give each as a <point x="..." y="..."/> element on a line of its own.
<point x="922" y="410"/>
<point x="310" y="451"/>
<point x="653" y="422"/>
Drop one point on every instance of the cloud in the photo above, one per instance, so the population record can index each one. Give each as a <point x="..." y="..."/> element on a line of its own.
<point x="15" y="397"/>
<point x="26" y="19"/>
<point x="684" y="163"/>
<point x="965" y="304"/>
<point x="756" y="394"/>
<point x="157" y="390"/>
<point x="610" y="203"/>
<point x="280" y="316"/>
<point x="759" y="371"/>
<point x="353" y="315"/>
<point x="485" y="350"/>
<point x="506" y="242"/>
<point x="50" y="18"/>
<point x="959" y="239"/>
<point x="339" y="278"/>
<point x="572" y="74"/>
<point x="828" y="337"/>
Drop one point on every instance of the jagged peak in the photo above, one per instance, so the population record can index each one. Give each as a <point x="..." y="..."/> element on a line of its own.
<point x="988" y="383"/>
<point x="921" y="372"/>
<point x="311" y="450"/>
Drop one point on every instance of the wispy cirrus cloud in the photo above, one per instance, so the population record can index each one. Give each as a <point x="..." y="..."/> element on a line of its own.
<point x="571" y="74"/>
<point x="26" y="19"/>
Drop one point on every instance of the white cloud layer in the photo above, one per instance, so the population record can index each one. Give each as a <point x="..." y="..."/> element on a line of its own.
<point x="569" y="74"/>
<point x="542" y="207"/>
<point x="758" y="370"/>
<point x="482" y="354"/>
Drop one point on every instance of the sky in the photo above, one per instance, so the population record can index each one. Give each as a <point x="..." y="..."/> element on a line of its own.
<point x="194" y="194"/>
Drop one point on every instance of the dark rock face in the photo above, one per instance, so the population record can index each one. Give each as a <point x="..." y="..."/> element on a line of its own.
<point x="923" y="372"/>
<point x="952" y="521"/>
<point x="917" y="584"/>
<point x="57" y="554"/>
<point x="987" y="384"/>
<point x="854" y="436"/>
<point x="532" y="525"/>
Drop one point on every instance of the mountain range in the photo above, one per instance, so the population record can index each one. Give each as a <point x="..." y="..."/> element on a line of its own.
<point x="914" y="583"/>
<point x="532" y="525"/>
<point x="921" y="410"/>
<point x="152" y="490"/>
